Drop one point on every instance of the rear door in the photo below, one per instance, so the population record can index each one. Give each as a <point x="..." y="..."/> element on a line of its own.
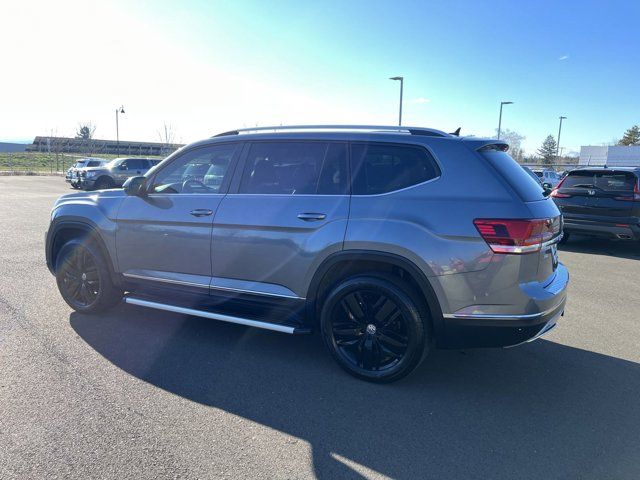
<point x="287" y="213"/>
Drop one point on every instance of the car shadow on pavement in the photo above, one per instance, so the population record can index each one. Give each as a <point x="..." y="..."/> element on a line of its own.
<point x="602" y="246"/>
<point x="543" y="410"/>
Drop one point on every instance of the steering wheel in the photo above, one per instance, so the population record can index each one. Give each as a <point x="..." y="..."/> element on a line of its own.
<point x="191" y="183"/>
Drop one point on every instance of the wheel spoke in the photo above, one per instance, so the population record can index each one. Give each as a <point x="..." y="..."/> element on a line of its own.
<point x="390" y="340"/>
<point x="352" y="308"/>
<point x="387" y="310"/>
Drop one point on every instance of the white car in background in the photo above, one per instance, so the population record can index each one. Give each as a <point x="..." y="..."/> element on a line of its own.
<point x="73" y="174"/>
<point x="548" y="176"/>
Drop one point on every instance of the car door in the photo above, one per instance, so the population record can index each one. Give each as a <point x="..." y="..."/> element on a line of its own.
<point x="285" y="213"/>
<point x="164" y="237"/>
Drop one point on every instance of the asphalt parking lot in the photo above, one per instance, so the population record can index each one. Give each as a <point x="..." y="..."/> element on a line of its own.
<point x="146" y="394"/>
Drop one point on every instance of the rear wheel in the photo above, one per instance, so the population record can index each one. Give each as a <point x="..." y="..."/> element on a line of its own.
<point x="373" y="327"/>
<point x="84" y="278"/>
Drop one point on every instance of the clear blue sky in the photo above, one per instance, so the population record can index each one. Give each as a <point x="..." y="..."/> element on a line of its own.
<point x="205" y="66"/>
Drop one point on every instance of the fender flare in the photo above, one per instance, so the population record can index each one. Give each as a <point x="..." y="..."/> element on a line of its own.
<point x="372" y="255"/>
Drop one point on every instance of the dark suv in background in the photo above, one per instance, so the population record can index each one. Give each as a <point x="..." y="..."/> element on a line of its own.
<point x="600" y="201"/>
<point x="386" y="240"/>
<point x="115" y="173"/>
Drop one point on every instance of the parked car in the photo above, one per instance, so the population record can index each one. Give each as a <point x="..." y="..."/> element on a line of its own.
<point x="601" y="202"/>
<point x="115" y="173"/>
<point x="72" y="175"/>
<point x="388" y="241"/>
<point x="548" y="177"/>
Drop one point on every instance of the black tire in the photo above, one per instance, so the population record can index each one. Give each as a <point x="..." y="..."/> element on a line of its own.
<point x="104" y="183"/>
<point x="375" y="327"/>
<point x="565" y="238"/>
<point x="84" y="277"/>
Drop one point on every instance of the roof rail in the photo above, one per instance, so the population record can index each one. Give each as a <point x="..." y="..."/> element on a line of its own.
<point x="373" y="128"/>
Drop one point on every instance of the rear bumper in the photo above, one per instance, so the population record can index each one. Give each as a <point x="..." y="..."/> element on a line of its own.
<point x="622" y="230"/>
<point x="473" y="330"/>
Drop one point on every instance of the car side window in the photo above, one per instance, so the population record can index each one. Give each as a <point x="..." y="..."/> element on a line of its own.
<point x="380" y="168"/>
<point x="295" y="168"/>
<point x="201" y="170"/>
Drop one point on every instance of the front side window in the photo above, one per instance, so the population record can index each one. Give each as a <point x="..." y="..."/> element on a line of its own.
<point x="199" y="171"/>
<point x="296" y="168"/>
<point x="381" y="168"/>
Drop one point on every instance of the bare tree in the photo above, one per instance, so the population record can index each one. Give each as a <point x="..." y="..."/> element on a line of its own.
<point x="514" y="139"/>
<point x="167" y="137"/>
<point x="85" y="133"/>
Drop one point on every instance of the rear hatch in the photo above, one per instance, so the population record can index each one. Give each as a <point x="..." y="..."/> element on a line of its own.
<point x="534" y="238"/>
<point x="608" y="196"/>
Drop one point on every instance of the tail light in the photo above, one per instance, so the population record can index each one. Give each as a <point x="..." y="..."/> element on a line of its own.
<point x="517" y="236"/>
<point x="632" y="198"/>
<point x="556" y="194"/>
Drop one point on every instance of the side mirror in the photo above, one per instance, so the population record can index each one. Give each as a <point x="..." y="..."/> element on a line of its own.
<point x="136" y="186"/>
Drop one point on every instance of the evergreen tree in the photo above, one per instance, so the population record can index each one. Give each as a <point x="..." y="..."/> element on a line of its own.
<point x="548" y="150"/>
<point x="631" y="136"/>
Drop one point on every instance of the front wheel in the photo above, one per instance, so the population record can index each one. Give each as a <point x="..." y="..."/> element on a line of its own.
<point x="83" y="277"/>
<point x="373" y="327"/>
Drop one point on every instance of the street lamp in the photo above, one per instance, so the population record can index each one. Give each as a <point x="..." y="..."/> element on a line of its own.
<point x="401" y="79"/>
<point x="559" y="132"/>
<point x="118" y="111"/>
<point x="500" y="119"/>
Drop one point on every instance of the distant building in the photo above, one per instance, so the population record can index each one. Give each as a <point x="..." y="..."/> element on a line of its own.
<point x="96" y="147"/>
<point x="611" y="156"/>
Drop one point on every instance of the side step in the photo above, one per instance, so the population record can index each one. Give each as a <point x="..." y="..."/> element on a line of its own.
<point x="215" y="316"/>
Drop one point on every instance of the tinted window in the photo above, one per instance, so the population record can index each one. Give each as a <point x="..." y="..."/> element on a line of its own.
<point x="295" y="168"/>
<point x="615" y="181"/>
<point x="380" y="168"/>
<point x="198" y="171"/>
<point x="94" y="163"/>
<point x="525" y="186"/>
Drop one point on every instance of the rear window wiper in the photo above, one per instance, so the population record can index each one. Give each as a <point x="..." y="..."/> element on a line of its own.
<point x="585" y="185"/>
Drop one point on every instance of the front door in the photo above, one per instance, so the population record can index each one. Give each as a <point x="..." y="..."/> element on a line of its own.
<point x="164" y="238"/>
<point x="288" y="211"/>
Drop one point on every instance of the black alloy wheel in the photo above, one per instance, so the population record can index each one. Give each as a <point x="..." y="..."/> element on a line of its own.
<point x="373" y="328"/>
<point x="79" y="277"/>
<point x="83" y="277"/>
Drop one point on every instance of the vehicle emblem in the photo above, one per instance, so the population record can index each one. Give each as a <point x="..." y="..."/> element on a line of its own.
<point x="591" y="192"/>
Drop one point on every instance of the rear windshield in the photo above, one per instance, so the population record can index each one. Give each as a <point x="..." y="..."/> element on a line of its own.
<point x="516" y="176"/>
<point x="610" y="181"/>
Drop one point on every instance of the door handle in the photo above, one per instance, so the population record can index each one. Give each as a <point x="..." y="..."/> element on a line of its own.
<point x="312" y="217"/>
<point x="201" y="212"/>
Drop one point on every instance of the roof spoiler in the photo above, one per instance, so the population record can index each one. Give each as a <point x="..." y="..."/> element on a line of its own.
<point x="484" y="144"/>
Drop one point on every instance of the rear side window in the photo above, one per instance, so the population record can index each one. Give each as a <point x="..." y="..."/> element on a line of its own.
<point x="94" y="164"/>
<point x="611" y="181"/>
<point x="381" y="168"/>
<point x="295" y="168"/>
<point x="525" y="186"/>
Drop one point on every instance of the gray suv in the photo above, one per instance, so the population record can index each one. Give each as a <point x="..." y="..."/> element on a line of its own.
<point x="115" y="173"/>
<point x="388" y="241"/>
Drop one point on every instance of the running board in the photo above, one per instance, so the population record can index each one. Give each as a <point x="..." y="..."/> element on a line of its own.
<point x="214" y="316"/>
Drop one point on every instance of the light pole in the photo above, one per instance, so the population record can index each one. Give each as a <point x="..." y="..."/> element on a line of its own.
<point x="118" y="110"/>
<point x="401" y="79"/>
<point x="559" y="132"/>
<point x="500" y="118"/>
